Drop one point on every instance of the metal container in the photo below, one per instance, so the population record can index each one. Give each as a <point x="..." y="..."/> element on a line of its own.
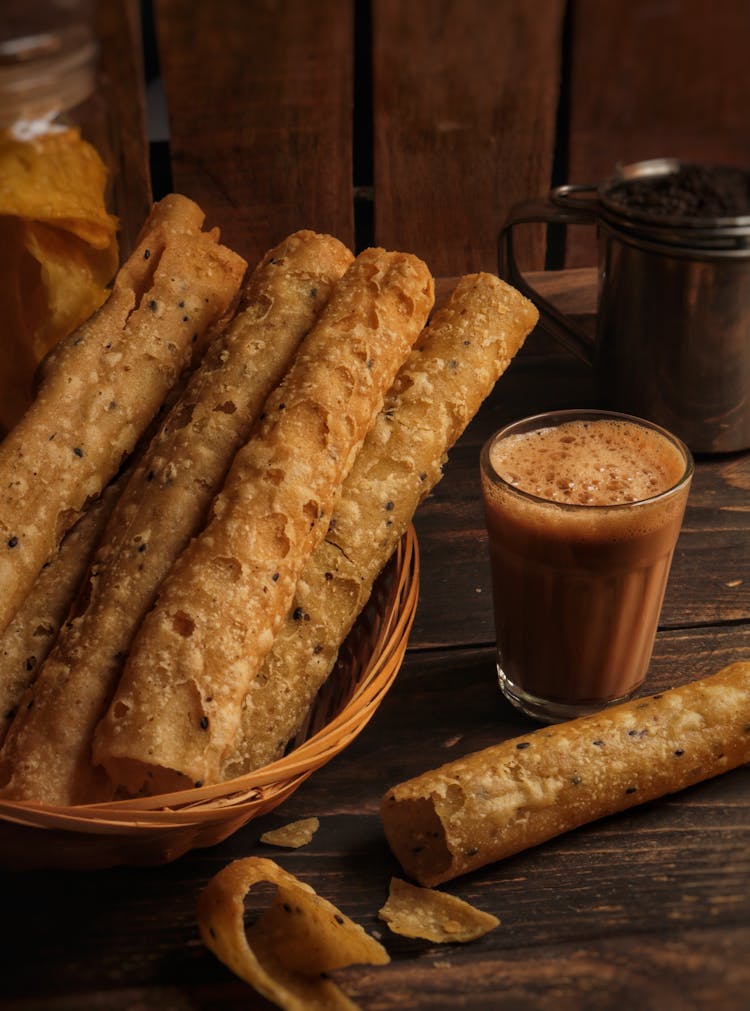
<point x="673" y="321"/>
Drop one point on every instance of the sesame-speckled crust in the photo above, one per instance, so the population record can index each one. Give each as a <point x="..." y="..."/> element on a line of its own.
<point x="29" y="637"/>
<point x="496" y="802"/>
<point x="163" y="506"/>
<point x="469" y="343"/>
<point x="177" y="708"/>
<point x="99" y="393"/>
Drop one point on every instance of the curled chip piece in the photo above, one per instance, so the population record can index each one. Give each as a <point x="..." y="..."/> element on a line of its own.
<point x="293" y="835"/>
<point x="297" y="938"/>
<point x="433" y="916"/>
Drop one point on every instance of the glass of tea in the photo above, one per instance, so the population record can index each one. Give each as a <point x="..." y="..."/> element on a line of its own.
<point x="583" y="511"/>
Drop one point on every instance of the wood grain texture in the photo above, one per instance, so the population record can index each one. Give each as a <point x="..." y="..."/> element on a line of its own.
<point x="465" y="99"/>
<point x="121" y="91"/>
<point x="655" y="79"/>
<point x="649" y="908"/>
<point x="260" y="115"/>
<point x="628" y="906"/>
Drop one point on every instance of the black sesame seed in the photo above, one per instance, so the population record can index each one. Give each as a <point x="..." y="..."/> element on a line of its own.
<point x="287" y="908"/>
<point x="313" y="292"/>
<point x="153" y="305"/>
<point x="338" y="918"/>
<point x="181" y="304"/>
<point x="150" y="476"/>
<point x="472" y="852"/>
<point x="389" y="505"/>
<point x="297" y="613"/>
<point x="204" y="723"/>
<point x="598" y="744"/>
<point x="523" y="744"/>
<point x="142" y="547"/>
<point x="12" y="541"/>
<point x="275" y="577"/>
<point x="78" y="451"/>
<point x="329" y="576"/>
<point x="282" y="407"/>
<point x="198" y="783"/>
<point x="679" y="753"/>
<point x="317" y="648"/>
<point x="631" y="789"/>
<point x="146" y="254"/>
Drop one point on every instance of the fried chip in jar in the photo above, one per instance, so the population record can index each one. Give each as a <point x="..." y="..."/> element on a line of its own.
<point x="292" y="835"/>
<point x="412" y="911"/>
<point x="285" y="951"/>
<point x="57" y="178"/>
<point x="58" y="251"/>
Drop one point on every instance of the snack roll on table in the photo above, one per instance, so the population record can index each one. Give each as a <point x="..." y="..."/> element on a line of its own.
<point x="98" y="395"/>
<point x="177" y="708"/>
<point x="493" y="803"/>
<point x="468" y="344"/>
<point x="163" y="505"/>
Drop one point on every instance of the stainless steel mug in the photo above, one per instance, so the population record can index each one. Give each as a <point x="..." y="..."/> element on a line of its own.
<point x="673" y="317"/>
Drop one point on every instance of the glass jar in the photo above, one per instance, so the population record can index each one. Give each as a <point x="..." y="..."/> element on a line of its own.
<point x="58" y="237"/>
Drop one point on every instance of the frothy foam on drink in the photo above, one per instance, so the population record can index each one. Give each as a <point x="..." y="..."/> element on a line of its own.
<point x="601" y="462"/>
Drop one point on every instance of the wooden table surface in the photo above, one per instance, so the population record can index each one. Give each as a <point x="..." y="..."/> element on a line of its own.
<point x="416" y="126"/>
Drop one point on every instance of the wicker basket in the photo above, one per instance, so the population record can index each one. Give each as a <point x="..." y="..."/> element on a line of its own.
<point x="155" y="830"/>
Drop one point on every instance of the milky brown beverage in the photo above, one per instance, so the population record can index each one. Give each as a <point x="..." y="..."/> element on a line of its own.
<point x="583" y="512"/>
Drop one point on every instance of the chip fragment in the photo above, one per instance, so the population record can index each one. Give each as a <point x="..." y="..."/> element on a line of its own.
<point x="290" y="944"/>
<point x="433" y="916"/>
<point x="292" y="835"/>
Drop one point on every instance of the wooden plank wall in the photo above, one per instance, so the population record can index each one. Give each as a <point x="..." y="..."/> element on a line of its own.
<point x="260" y="114"/>
<point x="654" y="79"/>
<point x="465" y="105"/>
<point x="417" y="125"/>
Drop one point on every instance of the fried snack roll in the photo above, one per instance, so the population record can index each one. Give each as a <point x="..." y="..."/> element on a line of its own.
<point x="496" y="802"/>
<point x="469" y="343"/>
<point x="177" y="708"/>
<point x="162" y="507"/>
<point x="99" y="394"/>
<point x="31" y="634"/>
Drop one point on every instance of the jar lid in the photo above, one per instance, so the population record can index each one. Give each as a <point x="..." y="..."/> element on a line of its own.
<point x="43" y="74"/>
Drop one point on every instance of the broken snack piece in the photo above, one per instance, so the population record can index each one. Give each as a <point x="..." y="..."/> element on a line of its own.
<point x="433" y="916"/>
<point x="292" y="835"/>
<point x="285" y="951"/>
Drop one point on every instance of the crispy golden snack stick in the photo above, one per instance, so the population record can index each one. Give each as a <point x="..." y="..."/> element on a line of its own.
<point x="162" y="507"/>
<point x="467" y="346"/>
<point x="496" y="802"/>
<point x="177" y="708"/>
<point x="29" y="637"/>
<point x="295" y="941"/>
<point x="99" y="394"/>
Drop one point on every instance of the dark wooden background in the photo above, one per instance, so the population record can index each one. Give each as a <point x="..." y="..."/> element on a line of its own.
<point x="416" y="126"/>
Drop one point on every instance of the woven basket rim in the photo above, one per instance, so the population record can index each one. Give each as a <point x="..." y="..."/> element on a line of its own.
<point x="260" y="790"/>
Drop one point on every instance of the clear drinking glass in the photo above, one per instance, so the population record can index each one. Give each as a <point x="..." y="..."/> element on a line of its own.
<point x="583" y="511"/>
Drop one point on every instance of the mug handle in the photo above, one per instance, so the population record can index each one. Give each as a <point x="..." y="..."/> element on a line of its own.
<point x="563" y="207"/>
